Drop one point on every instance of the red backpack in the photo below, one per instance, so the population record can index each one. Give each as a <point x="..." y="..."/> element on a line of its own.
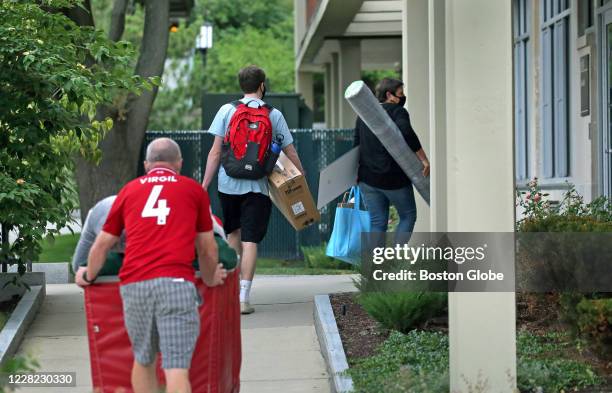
<point x="247" y="143"/>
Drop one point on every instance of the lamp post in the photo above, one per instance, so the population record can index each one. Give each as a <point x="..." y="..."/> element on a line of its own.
<point x="204" y="40"/>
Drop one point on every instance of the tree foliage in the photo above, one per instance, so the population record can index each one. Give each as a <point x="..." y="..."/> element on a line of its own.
<point x="53" y="75"/>
<point x="145" y="22"/>
<point x="257" y="32"/>
<point x="270" y="49"/>
<point x="257" y="14"/>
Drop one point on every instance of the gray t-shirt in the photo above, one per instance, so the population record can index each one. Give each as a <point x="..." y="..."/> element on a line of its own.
<point x="219" y="126"/>
<point x="93" y="226"/>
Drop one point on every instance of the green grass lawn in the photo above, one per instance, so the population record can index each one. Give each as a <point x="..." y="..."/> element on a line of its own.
<point x="61" y="249"/>
<point x="293" y="267"/>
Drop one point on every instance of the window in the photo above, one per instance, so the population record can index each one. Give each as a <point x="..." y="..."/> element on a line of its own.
<point x="585" y="16"/>
<point x="521" y="20"/>
<point x="555" y="94"/>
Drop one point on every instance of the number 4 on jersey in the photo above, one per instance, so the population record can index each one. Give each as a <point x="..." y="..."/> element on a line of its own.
<point x="161" y="211"/>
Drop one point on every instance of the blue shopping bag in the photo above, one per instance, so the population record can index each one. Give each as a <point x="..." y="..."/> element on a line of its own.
<point x="345" y="241"/>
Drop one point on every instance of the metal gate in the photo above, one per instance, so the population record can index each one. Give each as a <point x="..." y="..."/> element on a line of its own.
<point x="317" y="148"/>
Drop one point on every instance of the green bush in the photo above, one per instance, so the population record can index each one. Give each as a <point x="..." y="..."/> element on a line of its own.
<point x="403" y="311"/>
<point x="48" y="115"/>
<point x="17" y="364"/>
<point x="393" y="219"/>
<point x="594" y="321"/>
<point x="556" y="223"/>
<point x="568" y="302"/>
<point x="588" y="314"/>
<point x="315" y="258"/>
<point x="572" y="214"/>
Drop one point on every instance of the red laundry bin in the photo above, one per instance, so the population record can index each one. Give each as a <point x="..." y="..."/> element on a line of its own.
<point x="215" y="367"/>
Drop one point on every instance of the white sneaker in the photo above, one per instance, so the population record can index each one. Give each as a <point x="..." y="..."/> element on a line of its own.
<point x="246" y="308"/>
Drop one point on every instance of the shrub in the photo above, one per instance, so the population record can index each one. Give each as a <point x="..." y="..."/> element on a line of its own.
<point x="556" y="223"/>
<point x="15" y="365"/>
<point x="48" y="115"/>
<point x="393" y="219"/>
<point x="594" y="320"/>
<point x="403" y="311"/>
<point x="315" y="258"/>
<point x="572" y="258"/>
<point x="570" y="215"/>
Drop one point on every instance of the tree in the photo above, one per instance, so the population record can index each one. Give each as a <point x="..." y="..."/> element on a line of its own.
<point x="258" y="32"/>
<point x="267" y="28"/>
<point x="178" y="107"/>
<point x="258" y="14"/>
<point x="270" y="49"/>
<point x="48" y="114"/>
<point x="120" y="149"/>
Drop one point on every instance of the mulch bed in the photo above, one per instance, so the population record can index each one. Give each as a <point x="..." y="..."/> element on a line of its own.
<point x="361" y="335"/>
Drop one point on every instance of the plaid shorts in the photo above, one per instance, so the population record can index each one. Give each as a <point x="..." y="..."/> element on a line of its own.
<point x="162" y="315"/>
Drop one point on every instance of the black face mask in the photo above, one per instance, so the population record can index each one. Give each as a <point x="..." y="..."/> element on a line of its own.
<point x="402" y="100"/>
<point x="263" y="92"/>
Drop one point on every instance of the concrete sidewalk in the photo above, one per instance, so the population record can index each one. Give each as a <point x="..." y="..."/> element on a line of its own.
<point x="279" y="344"/>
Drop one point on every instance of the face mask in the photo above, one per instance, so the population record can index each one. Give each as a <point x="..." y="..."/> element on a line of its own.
<point x="402" y="100"/>
<point x="263" y="92"/>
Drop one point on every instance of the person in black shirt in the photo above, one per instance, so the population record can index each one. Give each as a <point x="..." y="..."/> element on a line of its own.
<point x="381" y="180"/>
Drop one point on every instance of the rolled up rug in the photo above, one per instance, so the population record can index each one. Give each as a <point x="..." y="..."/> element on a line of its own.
<point x="367" y="107"/>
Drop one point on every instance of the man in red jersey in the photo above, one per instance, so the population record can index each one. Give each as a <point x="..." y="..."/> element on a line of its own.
<point x="163" y="214"/>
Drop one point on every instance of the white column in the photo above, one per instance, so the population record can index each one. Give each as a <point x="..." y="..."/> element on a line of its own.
<point x="415" y="70"/>
<point x="349" y="67"/>
<point x="437" y="115"/>
<point x="327" y="86"/>
<point x="299" y="25"/>
<point x="304" y="85"/>
<point x="335" y="91"/>
<point x="479" y="180"/>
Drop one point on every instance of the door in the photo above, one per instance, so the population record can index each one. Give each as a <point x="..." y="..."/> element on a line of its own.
<point x="607" y="103"/>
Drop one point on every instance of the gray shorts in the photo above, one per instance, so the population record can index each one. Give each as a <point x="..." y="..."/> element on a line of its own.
<point x="162" y="315"/>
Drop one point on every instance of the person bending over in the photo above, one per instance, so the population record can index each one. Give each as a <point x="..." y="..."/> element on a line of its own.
<point x="163" y="214"/>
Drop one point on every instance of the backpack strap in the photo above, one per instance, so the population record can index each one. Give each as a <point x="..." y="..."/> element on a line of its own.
<point x="237" y="103"/>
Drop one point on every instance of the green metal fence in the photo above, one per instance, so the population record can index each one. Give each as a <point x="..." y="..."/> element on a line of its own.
<point x="317" y="148"/>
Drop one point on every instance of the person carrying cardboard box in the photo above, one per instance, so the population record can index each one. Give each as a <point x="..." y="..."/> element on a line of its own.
<point x="245" y="133"/>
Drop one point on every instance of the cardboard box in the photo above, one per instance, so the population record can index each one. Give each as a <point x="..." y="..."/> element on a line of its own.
<point x="291" y="195"/>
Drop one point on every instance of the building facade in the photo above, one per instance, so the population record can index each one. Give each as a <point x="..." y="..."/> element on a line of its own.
<point x="562" y="67"/>
<point x="561" y="71"/>
<point x="456" y="58"/>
